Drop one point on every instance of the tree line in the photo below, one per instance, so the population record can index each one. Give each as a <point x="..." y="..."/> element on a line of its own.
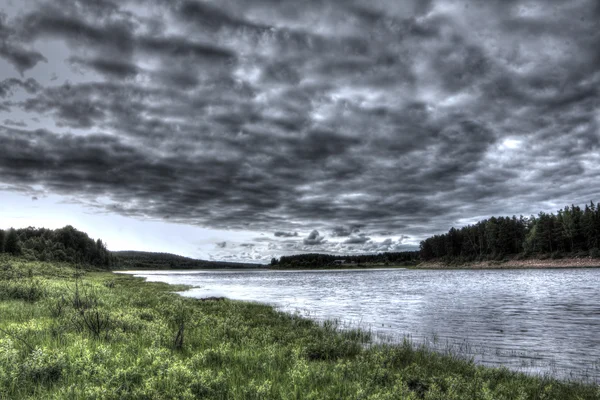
<point x="571" y="231"/>
<point x="151" y="260"/>
<point x="318" y="260"/>
<point x="65" y="244"/>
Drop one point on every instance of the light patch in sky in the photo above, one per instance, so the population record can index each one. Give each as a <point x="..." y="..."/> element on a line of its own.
<point x="118" y="232"/>
<point x="511" y="144"/>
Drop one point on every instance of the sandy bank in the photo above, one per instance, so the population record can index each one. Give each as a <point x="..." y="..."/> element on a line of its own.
<point x="583" y="262"/>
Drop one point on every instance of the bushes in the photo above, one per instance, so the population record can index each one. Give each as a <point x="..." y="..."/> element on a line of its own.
<point x="65" y="244"/>
<point x="28" y="290"/>
<point x="43" y="366"/>
<point x="330" y="348"/>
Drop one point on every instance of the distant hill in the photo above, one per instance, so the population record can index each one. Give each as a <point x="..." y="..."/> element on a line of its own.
<point x="147" y="260"/>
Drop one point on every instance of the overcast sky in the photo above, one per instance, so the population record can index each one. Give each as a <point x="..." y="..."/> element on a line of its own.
<point x="247" y="129"/>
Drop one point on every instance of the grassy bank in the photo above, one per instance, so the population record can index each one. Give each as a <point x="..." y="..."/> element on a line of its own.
<point x="70" y="334"/>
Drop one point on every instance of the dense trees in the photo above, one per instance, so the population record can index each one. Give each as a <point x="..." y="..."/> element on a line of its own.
<point x="572" y="230"/>
<point x="65" y="244"/>
<point x="316" y="260"/>
<point x="150" y="260"/>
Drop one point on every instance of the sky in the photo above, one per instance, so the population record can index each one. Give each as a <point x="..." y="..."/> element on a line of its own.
<point x="242" y="130"/>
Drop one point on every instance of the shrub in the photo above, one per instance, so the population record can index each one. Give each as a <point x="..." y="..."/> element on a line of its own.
<point x="331" y="348"/>
<point x="28" y="290"/>
<point x="109" y="284"/>
<point x="43" y="366"/>
<point x="57" y="307"/>
<point x="96" y="322"/>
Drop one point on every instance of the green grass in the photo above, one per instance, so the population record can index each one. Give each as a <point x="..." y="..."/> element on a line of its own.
<point x="69" y="334"/>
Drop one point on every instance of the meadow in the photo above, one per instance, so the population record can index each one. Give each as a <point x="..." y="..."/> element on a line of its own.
<point x="80" y="333"/>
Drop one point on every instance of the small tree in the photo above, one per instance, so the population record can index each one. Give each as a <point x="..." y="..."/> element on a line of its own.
<point x="1" y="241"/>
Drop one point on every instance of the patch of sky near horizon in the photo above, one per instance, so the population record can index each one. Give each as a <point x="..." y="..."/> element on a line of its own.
<point x="118" y="232"/>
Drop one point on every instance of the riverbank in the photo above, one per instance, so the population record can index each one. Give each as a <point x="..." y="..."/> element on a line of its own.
<point x="583" y="262"/>
<point x="342" y="267"/>
<point x="67" y="333"/>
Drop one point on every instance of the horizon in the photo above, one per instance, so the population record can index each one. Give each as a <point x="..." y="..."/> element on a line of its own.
<point x="242" y="131"/>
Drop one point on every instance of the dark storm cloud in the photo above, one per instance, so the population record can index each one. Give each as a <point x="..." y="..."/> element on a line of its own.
<point x="178" y="46"/>
<point x="8" y="85"/>
<point x="22" y="59"/>
<point x="285" y="234"/>
<point x="314" y="238"/>
<point x="110" y="68"/>
<point x="51" y="21"/>
<point x="15" y="53"/>
<point x="341" y="231"/>
<point x="211" y="17"/>
<point x="357" y="239"/>
<point x="350" y="117"/>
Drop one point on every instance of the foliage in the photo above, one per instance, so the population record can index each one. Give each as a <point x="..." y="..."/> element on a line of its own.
<point x="66" y="244"/>
<point x="318" y="260"/>
<point x="11" y="244"/>
<point x="571" y="230"/>
<point x="129" y="349"/>
<point x="132" y="260"/>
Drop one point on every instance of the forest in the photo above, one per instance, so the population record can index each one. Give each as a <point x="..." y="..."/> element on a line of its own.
<point x="65" y="244"/>
<point x="150" y="260"/>
<point x="572" y="231"/>
<point x="316" y="260"/>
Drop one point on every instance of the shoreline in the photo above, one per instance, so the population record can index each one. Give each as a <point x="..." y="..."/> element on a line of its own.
<point x="533" y="263"/>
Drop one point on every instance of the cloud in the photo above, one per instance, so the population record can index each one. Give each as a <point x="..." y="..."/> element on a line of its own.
<point x="342" y="231"/>
<point x="10" y="122"/>
<point x="7" y="86"/>
<point x="313" y="239"/>
<point x="285" y="234"/>
<point x="357" y="239"/>
<point x="20" y="58"/>
<point x="390" y="118"/>
<point x="221" y="245"/>
<point x="110" y="68"/>
<point x="13" y="51"/>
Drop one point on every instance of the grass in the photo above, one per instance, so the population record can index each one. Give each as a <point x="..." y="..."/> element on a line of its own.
<point x="72" y="334"/>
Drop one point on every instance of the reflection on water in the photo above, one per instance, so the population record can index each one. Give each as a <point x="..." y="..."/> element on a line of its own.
<point x="541" y="321"/>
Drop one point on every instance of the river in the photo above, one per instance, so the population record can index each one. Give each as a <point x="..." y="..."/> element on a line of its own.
<point x="541" y="321"/>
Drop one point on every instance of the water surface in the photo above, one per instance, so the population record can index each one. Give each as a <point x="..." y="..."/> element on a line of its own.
<point x="543" y="321"/>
